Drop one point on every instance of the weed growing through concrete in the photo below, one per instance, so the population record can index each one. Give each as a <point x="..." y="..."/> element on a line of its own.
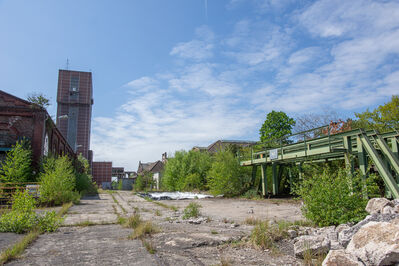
<point x="150" y="248"/>
<point x="173" y="208"/>
<point x="13" y="252"/>
<point x="133" y="221"/>
<point x="214" y="232"/>
<point x="117" y="202"/>
<point x="192" y="210"/>
<point x="225" y="261"/>
<point x="157" y="213"/>
<point x="144" y="229"/>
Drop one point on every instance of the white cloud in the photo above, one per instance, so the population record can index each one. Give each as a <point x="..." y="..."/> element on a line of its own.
<point x="346" y="58"/>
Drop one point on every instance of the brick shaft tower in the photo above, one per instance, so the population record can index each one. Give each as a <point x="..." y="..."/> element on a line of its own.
<point x="74" y="102"/>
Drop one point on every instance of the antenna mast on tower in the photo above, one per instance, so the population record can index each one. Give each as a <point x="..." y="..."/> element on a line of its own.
<point x="67" y="64"/>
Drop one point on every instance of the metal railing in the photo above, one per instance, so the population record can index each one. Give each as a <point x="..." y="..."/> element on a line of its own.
<point x="7" y="190"/>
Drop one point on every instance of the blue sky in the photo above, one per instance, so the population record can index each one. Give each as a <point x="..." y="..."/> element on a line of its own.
<point x="173" y="74"/>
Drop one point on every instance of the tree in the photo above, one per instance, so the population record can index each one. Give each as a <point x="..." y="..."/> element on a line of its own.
<point x="226" y="176"/>
<point x="383" y="118"/>
<point x="39" y="99"/>
<point x="17" y="165"/>
<point x="276" y="125"/>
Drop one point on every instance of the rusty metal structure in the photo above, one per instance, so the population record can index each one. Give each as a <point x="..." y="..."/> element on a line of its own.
<point x="320" y="145"/>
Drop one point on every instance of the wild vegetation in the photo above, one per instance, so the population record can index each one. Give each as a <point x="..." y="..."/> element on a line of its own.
<point x="17" y="164"/>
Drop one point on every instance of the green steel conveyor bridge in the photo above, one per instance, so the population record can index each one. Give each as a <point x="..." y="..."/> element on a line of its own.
<point x="358" y="144"/>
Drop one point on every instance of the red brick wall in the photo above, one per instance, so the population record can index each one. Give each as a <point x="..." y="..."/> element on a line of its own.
<point x="102" y="172"/>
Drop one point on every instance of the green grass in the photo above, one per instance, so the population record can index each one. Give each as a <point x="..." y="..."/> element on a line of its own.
<point x="133" y="221"/>
<point x="192" y="210"/>
<point x="16" y="250"/>
<point x="144" y="229"/>
<point x="214" y="232"/>
<point x="158" y="213"/>
<point x="252" y="221"/>
<point x="264" y="235"/>
<point x="150" y="248"/>
<point x="117" y="202"/>
<point x="166" y="206"/>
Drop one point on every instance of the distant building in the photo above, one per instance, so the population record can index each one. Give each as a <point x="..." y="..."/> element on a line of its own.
<point x="21" y="119"/>
<point x="221" y="145"/>
<point x="74" y="104"/>
<point x="118" y="172"/>
<point x="155" y="168"/>
<point x="102" y="174"/>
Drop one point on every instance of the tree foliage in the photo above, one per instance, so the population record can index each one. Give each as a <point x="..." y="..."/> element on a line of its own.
<point x="226" y="176"/>
<point x="276" y="125"/>
<point x="57" y="182"/>
<point x="17" y="165"/>
<point x="383" y="118"/>
<point x="144" y="181"/>
<point x="334" y="196"/>
<point x="186" y="171"/>
<point x="39" y="99"/>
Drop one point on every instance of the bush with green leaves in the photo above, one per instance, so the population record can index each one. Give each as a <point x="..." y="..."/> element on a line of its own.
<point x="335" y="196"/>
<point x="17" y="165"/>
<point x="187" y="171"/>
<point x="192" y="210"/>
<point x="144" y="182"/>
<point x="22" y="218"/>
<point x="226" y="176"/>
<point x="84" y="181"/>
<point x="57" y="182"/>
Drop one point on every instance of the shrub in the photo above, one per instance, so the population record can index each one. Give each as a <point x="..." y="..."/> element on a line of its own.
<point x="144" y="182"/>
<point x="335" y="197"/>
<point x="23" y="218"/>
<point x="227" y="176"/>
<point x="57" y="182"/>
<point x="187" y="171"/>
<point x="192" y="210"/>
<point x="17" y="165"/>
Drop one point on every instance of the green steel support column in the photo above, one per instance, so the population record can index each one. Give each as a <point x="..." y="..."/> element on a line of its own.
<point x="300" y="171"/>
<point x="395" y="152"/>
<point x="291" y="179"/>
<point x="264" y="179"/>
<point x="388" y="193"/>
<point x="275" y="179"/>
<point x="254" y="170"/>
<point x="361" y="154"/>
<point x="382" y="169"/>
<point x="348" y="154"/>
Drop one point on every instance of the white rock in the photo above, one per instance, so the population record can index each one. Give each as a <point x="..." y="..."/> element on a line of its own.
<point x="375" y="205"/>
<point x="316" y="244"/>
<point x="376" y="243"/>
<point x="340" y="258"/>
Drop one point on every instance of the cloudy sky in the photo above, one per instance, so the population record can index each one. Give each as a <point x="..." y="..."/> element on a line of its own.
<point x="170" y="75"/>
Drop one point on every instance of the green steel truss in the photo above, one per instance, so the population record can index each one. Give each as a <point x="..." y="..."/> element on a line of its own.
<point x="358" y="144"/>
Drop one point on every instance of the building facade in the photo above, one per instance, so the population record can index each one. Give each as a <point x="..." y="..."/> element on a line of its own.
<point x="20" y="119"/>
<point x="74" y="107"/>
<point x="102" y="174"/>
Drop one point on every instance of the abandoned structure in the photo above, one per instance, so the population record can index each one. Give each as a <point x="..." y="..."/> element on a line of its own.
<point x="220" y="145"/>
<point x="21" y="119"/>
<point x="155" y="168"/>
<point x="74" y="104"/>
<point x="102" y="174"/>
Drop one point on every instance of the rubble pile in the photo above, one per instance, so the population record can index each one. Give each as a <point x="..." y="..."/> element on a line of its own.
<point x="372" y="241"/>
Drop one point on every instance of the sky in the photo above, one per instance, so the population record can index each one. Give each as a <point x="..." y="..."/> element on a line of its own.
<point x="170" y="75"/>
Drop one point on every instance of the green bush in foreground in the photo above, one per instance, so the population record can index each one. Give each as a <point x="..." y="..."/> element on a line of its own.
<point x="57" y="182"/>
<point x="335" y="197"/>
<point x="17" y="165"/>
<point x="23" y="218"/>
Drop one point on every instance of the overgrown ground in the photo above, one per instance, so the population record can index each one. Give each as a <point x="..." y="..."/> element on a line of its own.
<point x="220" y="236"/>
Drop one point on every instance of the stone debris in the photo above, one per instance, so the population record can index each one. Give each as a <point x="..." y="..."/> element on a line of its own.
<point x="316" y="244"/>
<point x="372" y="241"/>
<point x="340" y="258"/>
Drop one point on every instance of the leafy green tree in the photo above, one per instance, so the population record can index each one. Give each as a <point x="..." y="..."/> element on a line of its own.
<point x="226" y="176"/>
<point x="187" y="171"/>
<point x="84" y="180"/>
<point x="57" y="182"/>
<point x="383" y="118"/>
<point x="39" y="99"/>
<point x="144" y="181"/>
<point x="276" y="125"/>
<point x="17" y="165"/>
